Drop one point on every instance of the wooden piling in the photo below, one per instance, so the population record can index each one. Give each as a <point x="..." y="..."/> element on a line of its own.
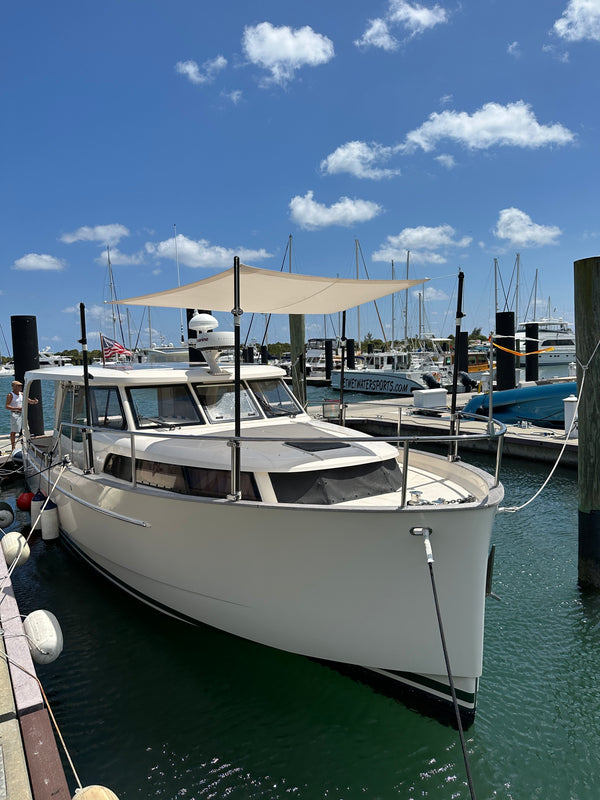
<point x="587" y="326"/>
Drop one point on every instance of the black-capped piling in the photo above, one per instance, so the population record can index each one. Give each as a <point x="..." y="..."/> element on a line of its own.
<point x="587" y="328"/>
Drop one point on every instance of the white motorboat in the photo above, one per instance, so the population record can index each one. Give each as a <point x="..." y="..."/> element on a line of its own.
<point x="556" y="340"/>
<point x="381" y="373"/>
<point x="209" y="493"/>
<point x="50" y="359"/>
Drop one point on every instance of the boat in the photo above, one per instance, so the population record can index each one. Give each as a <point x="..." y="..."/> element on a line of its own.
<point x="403" y="372"/>
<point x="50" y="359"/>
<point x="387" y="372"/>
<point x="556" y="340"/>
<point x="540" y="404"/>
<point x="209" y="493"/>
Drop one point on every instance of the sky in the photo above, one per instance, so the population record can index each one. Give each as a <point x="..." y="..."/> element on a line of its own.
<point x="176" y="135"/>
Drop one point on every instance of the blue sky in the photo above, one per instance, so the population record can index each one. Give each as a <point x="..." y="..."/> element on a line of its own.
<point x="462" y="131"/>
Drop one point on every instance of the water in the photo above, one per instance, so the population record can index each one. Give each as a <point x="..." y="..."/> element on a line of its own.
<point x="153" y="708"/>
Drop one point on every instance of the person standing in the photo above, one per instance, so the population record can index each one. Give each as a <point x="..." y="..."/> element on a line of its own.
<point x="14" y="404"/>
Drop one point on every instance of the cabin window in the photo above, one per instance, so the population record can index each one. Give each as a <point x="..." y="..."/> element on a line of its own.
<point x="328" y="486"/>
<point x="274" y="398"/>
<point x="217" y="483"/>
<point x="197" y="481"/>
<point x="106" y="408"/>
<point x="218" y="402"/>
<point x="558" y="343"/>
<point x="168" y="406"/>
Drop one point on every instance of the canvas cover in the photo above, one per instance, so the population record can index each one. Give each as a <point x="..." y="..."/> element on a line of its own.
<point x="264" y="291"/>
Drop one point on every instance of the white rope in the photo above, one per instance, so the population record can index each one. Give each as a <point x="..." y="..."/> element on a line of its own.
<point x="584" y="367"/>
<point x="13" y="566"/>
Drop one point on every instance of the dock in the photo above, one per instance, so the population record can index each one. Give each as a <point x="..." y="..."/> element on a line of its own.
<point x="30" y="763"/>
<point x="401" y="417"/>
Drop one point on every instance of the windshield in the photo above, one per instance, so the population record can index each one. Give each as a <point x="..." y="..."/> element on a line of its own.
<point x="218" y="402"/>
<point x="274" y="398"/>
<point x="163" y="406"/>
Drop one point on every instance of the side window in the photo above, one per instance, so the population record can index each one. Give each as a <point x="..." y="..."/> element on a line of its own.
<point x="107" y="411"/>
<point x="73" y="412"/>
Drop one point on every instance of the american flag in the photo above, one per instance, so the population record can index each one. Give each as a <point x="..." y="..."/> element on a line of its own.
<point x="111" y="348"/>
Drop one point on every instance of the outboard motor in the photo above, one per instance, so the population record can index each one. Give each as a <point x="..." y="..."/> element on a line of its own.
<point x="430" y="381"/>
<point x="468" y="383"/>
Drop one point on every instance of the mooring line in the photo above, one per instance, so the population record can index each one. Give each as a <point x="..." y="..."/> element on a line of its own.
<point x="425" y="533"/>
<point x="584" y="368"/>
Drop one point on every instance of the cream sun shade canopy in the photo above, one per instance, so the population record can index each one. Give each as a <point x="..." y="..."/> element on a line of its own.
<point x="264" y="291"/>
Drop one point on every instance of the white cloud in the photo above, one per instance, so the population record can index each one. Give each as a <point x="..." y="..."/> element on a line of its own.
<point x="557" y="53"/>
<point x="210" y="68"/>
<point x="39" y="261"/>
<point x="359" y="159"/>
<point x="446" y="161"/>
<point x="433" y="294"/>
<point x="414" y="18"/>
<point x="201" y="253"/>
<point x="309" y="214"/>
<point x="283" y="50"/>
<point x="518" y="229"/>
<point x="377" y="35"/>
<point x="234" y="96"/>
<point x="426" y="245"/>
<point x="493" y="124"/>
<point x="121" y="259"/>
<point x="514" y="50"/>
<point x="108" y="234"/>
<point x="91" y="312"/>
<point x="580" y="20"/>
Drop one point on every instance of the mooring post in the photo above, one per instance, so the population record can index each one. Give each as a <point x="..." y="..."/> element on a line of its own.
<point x="26" y="356"/>
<point x="587" y="327"/>
<point x="505" y="358"/>
<point x="532" y="344"/>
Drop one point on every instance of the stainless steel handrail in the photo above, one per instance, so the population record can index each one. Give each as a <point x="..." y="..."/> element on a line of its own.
<point x="496" y="435"/>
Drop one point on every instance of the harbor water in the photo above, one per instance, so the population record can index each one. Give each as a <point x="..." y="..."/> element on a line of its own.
<point x="154" y="708"/>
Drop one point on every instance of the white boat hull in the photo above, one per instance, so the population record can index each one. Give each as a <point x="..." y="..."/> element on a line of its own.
<point x="344" y="585"/>
<point x="377" y="382"/>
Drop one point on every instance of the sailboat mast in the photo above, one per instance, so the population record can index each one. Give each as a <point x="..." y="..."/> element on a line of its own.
<point x="357" y="307"/>
<point x="178" y="282"/>
<point x="111" y="288"/>
<point x="535" y="296"/>
<point x="518" y="287"/>
<point x="406" y="302"/>
<point x="495" y="286"/>
<point x="393" y="312"/>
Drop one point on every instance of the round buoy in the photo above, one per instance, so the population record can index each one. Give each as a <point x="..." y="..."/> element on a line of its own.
<point x="24" y="501"/>
<point x="15" y="548"/>
<point x="94" y="793"/>
<point x="44" y="636"/>
<point x="50" y="521"/>
<point x="7" y="515"/>
<point x="37" y="503"/>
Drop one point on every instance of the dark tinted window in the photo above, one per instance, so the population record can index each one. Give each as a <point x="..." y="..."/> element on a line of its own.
<point x="324" y="487"/>
<point x="197" y="481"/>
